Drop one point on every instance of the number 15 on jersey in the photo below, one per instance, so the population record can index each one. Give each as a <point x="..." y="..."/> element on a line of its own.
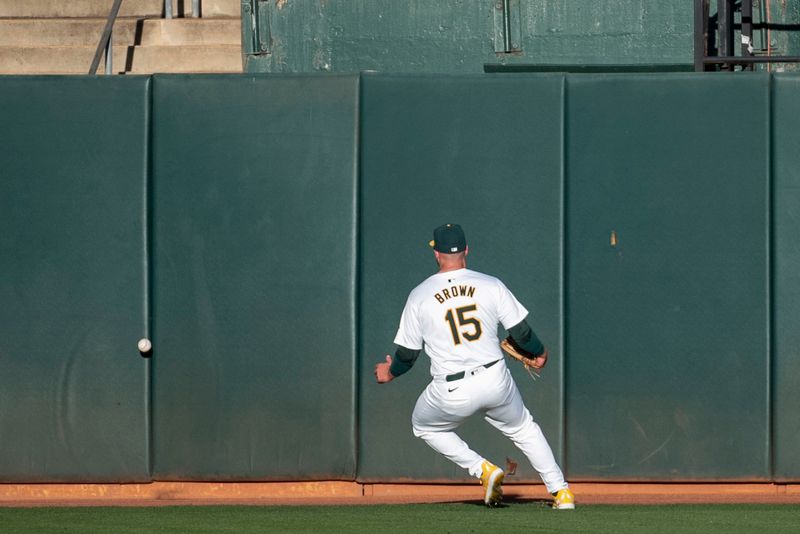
<point x="464" y="325"/>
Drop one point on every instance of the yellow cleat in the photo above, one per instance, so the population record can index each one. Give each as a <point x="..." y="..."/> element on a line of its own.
<point x="492" y="481"/>
<point x="564" y="500"/>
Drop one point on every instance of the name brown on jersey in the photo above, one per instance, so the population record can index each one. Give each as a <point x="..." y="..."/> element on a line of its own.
<point x="453" y="292"/>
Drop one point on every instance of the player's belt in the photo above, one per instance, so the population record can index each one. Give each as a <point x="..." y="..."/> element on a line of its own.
<point x="461" y="374"/>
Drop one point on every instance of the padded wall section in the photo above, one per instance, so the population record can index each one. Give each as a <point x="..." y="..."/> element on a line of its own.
<point x="73" y="387"/>
<point x="786" y="277"/>
<point x="255" y="277"/>
<point x="666" y="277"/>
<point x="483" y="151"/>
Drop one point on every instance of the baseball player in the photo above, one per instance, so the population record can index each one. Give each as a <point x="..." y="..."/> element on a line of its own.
<point x="454" y="315"/>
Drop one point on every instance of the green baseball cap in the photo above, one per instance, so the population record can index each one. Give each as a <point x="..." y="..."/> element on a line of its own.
<point x="449" y="239"/>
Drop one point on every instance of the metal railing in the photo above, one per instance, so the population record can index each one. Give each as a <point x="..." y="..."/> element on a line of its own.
<point x="106" y="38"/>
<point x="714" y="36"/>
<point x="106" y="41"/>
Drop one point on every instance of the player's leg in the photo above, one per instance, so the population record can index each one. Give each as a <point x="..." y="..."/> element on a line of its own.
<point x="512" y="418"/>
<point x="435" y="419"/>
<point x="438" y="412"/>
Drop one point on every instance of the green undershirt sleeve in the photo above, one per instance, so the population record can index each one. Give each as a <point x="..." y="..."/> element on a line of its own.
<point x="403" y="360"/>
<point x="526" y="338"/>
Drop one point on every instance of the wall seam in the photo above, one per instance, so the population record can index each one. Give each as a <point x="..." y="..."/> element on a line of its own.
<point x="563" y="289"/>
<point x="148" y="268"/>
<point x="357" y="279"/>
<point x="770" y="196"/>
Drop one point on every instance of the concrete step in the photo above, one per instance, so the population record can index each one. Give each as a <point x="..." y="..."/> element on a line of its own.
<point x="127" y="31"/>
<point x="51" y="59"/>
<point x="100" y="8"/>
<point x="130" y="59"/>
<point x="214" y="58"/>
<point x="192" y="32"/>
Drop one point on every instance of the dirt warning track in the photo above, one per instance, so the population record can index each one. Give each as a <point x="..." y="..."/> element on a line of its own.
<point x="350" y="493"/>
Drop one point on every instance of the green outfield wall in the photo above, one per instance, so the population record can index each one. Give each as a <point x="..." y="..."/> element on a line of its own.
<point x="481" y="151"/>
<point x="668" y="319"/>
<point x="254" y="226"/>
<point x="265" y="230"/>
<point x="74" y="392"/>
<point x="785" y="247"/>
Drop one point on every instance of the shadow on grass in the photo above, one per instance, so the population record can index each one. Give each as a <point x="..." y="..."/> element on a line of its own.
<point x="507" y="501"/>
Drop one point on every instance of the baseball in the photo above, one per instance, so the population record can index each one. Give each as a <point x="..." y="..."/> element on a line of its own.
<point x="145" y="345"/>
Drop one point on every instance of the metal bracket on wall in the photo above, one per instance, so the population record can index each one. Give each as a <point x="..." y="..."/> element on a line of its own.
<point x="507" y="26"/>
<point x="715" y="36"/>
<point x="257" y="37"/>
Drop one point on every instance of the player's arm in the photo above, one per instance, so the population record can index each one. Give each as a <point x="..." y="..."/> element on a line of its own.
<point x="527" y="340"/>
<point x="409" y="334"/>
<point x="403" y="360"/>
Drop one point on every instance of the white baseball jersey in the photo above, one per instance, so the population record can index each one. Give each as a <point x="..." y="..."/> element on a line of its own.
<point x="454" y="315"/>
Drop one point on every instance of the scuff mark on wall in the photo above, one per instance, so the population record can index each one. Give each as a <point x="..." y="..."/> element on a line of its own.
<point x="659" y="448"/>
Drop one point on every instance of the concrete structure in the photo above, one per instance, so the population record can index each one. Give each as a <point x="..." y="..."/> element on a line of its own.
<point x="54" y="37"/>
<point x="472" y="36"/>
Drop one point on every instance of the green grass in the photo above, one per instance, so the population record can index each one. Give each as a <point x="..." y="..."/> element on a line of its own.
<point x="456" y="518"/>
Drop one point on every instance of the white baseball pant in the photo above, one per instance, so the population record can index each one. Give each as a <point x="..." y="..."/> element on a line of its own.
<point x="443" y="406"/>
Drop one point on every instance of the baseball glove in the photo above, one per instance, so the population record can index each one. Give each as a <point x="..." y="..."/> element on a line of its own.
<point x="529" y="360"/>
